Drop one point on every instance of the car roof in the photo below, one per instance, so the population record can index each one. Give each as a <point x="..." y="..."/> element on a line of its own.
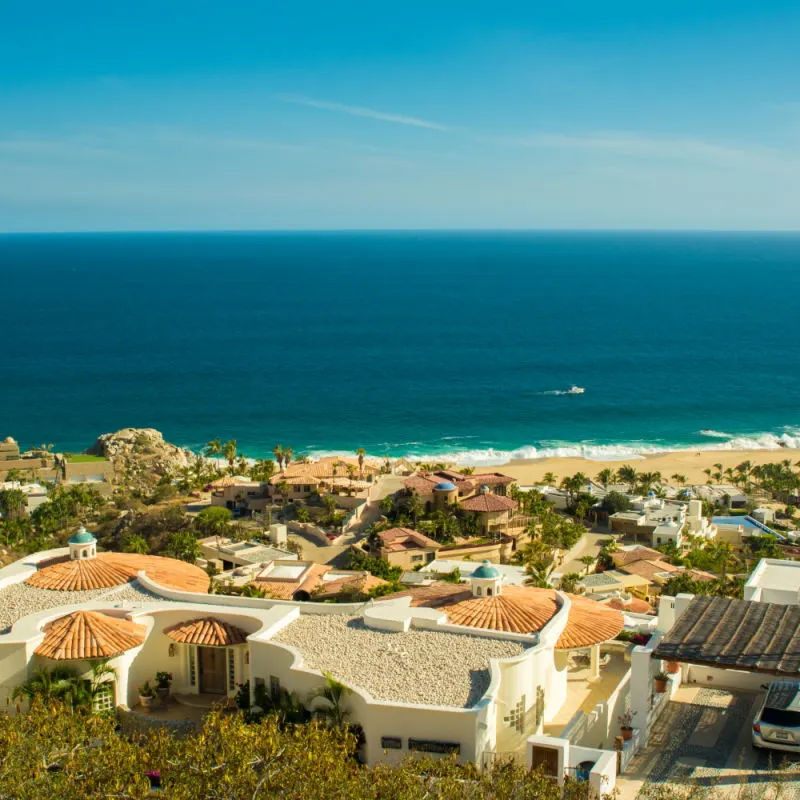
<point x="783" y="695"/>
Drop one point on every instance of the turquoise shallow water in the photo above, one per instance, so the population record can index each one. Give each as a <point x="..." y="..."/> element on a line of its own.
<point x="404" y="343"/>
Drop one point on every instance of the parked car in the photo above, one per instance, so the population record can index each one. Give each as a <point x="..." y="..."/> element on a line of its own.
<point x="777" y="723"/>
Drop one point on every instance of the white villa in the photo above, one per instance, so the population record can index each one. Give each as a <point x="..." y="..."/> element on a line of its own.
<point x="473" y="669"/>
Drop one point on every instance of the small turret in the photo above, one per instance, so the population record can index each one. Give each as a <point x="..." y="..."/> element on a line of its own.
<point x="486" y="581"/>
<point x="82" y="545"/>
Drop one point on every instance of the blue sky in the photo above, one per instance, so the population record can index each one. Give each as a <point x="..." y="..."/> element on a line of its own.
<point x="122" y="116"/>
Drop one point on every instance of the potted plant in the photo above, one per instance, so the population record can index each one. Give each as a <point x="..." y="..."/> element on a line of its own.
<point x="146" y="695"/>
<point x="660" y="682"/>
<point x="164" y="680"/>
<point x="625" y="724"/>
<point x="673" y="667"/>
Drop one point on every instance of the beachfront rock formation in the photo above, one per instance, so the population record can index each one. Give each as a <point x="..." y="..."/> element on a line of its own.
<point x="132" y="449"/>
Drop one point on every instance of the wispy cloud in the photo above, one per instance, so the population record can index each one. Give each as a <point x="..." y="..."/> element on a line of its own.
<point x="360" y="111"/>
<point x="637" y="146"/>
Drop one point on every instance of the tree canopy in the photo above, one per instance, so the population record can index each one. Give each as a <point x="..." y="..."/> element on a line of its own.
<point x="50" y="752"/>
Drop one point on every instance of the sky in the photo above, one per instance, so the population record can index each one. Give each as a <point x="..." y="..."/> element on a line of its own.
<point x="365" y="115"/>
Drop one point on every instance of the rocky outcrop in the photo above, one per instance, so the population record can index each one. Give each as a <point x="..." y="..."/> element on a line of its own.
<point x="135" y="449"/>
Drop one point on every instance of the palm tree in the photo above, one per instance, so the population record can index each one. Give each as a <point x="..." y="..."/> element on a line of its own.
<point x="681" y="479"/>
<point x="229" y="453"/>
<point x="213" y="448"/>
<point x="628" y="475"/>
<point x="287" y="456"/>
<point x="48" y="684"/>
<point x="277" y="451"/>
<point x="334" y="693"/>
<point x="549" y="478"/>
<point x="606" y="476"/>
<point x="351" y="471"/>
<point x="587" y="561"/>
<point x="569" y="582"/>
<point x="361" y="452"/>
<point x="414" y="507"/>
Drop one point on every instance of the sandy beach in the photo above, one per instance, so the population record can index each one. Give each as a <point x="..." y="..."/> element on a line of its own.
<point x="690" y="463"/>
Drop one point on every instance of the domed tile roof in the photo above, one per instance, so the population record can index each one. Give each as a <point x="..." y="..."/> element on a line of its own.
<point x="207" y="632"/>
<point x="486" y="570"/>
<point x="520" y="609"/>
<point x="113" y="569"/>
<point x="445" y="486"/>
<point x="85" y="635"/>
<point x="82" y="537"/>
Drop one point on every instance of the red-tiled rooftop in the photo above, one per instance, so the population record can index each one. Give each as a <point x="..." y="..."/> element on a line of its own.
<point x="488" y="502"/>
<point x="397" y="539"/>
<point x="107" y="570"/>
<point x="519" y="609"/>
<point x="207" y="632"/>
<point x="85" y="635"/>
<point x="623" y="557"/>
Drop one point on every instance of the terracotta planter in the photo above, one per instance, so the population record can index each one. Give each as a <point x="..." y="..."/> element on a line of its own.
<point x="660" y="686"/>
<point x="146" y="703"/>
<point x="163" y="694"/>
<point x="673" y="667"/>
<point x="627" y="733"/>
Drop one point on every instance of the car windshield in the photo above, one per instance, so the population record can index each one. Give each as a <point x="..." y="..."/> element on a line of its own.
<point x="781" y="716"/>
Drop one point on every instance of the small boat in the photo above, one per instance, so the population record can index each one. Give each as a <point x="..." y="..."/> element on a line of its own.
<point x="575" y="389"/>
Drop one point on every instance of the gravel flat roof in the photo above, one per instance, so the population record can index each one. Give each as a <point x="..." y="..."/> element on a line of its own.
<point x="424" y="667"/>
<point x="19" y="600"/>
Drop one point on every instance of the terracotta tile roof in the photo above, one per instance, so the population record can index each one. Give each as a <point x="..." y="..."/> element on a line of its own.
<point x="284" y="588"/>
<point x="113" y="569"/>
<point x="701" y="575"/>
<point x="649" y="569"/>
<point x="85" y="635"/>
<point x="519" y="609"/>
<point x="422" y="483"/>
<point x="362" y="582"/>
<point x="397" y="539"/>
<point x="488" y="502"/>
<point x="491" y="479"/>
<point x="637" y="554"/>
<point x="207" y="632"/>
<point x="635" y="605"/>
<point x="222" y="483"/>
<point x="324" y="469"/>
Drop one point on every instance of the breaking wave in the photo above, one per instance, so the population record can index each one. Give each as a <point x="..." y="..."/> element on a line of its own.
<point x="789" y="438"/>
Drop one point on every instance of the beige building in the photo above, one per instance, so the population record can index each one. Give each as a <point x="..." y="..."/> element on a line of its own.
<point x="239" y="495"/>
<point x="406" y="548"/>
<point x="333" y="474"/>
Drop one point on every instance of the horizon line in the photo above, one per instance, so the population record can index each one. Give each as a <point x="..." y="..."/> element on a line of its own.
<point x="136" y="231"/>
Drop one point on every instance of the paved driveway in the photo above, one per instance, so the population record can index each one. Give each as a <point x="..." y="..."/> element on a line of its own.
<point x="703" y="737"/>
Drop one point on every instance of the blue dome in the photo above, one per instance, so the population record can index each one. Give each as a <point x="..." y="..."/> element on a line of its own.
<point x="652" y="494"/>
<point x="486" y="570"/>
<point x="82" y="537"/>
<point x="445" y="486"/>
<point x="484" y="488"/>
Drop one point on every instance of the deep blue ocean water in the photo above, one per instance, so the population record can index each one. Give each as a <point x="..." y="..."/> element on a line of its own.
<point x="403" y="343"/>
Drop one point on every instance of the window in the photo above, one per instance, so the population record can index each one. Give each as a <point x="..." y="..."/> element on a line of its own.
<point x="391" y="743"/>
<point x="416" y="558"/>
<point x="192" y="666"/>
<point x="431" y="746"/>
<point x="104" y="699"/>
<point x="478" y="591"/>
<point x="488" y="592"/>
<point x="231" y="669"/>
<point x="274" y="685"/>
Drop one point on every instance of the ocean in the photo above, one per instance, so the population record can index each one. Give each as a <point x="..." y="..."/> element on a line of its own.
<point x="425" y="344"/>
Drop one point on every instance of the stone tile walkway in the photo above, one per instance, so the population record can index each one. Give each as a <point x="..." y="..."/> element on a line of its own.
<point x="703" y="738"/>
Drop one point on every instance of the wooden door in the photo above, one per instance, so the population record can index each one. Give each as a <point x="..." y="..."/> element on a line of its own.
<point x="212" y="669"/>
<point x="546" y="757"/>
